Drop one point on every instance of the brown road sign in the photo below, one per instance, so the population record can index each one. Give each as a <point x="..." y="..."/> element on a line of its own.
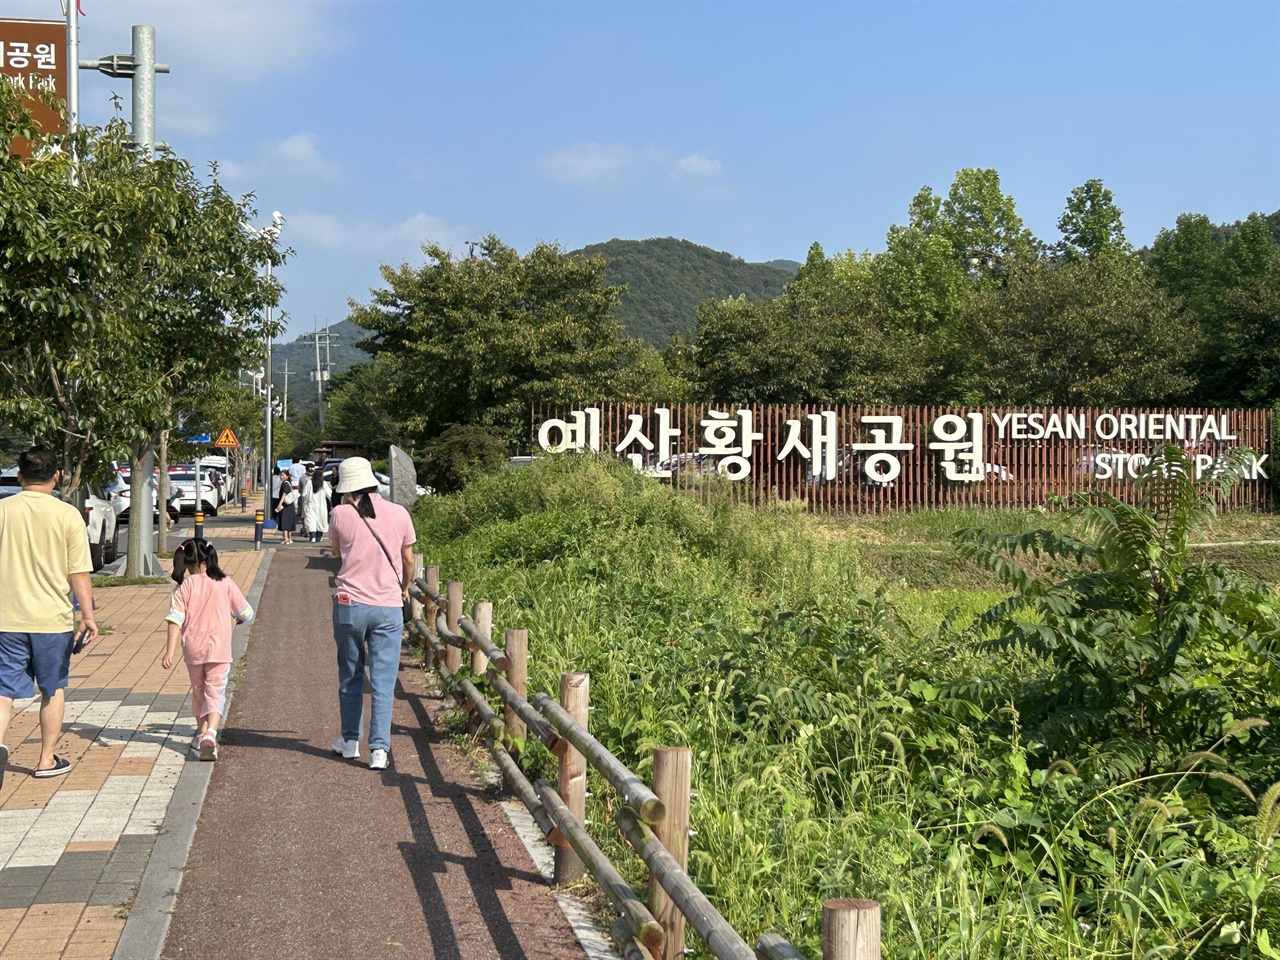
<point x="33" y="56"/>
<point x="227" y="439"/>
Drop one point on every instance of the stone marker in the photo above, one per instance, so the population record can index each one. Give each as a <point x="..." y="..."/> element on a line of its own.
<point x="404" y="477"/>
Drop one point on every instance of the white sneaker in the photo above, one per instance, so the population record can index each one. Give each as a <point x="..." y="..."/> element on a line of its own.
<point x="350" y="749"/>
<point x="377" y="759"/>
<point x="195" y="743"/>
<point x="209" y="746"/>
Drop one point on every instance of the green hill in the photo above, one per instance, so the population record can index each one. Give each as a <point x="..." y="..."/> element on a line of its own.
<point x="667" y="278"/>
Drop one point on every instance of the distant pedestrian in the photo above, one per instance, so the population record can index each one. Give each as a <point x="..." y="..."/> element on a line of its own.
<point x="315" y="506"/>
<point x="200" y="615"/>
<point x="374" y="540"/>
<point x="44" y="549"/>
<point x="287" y="511"/>
<point x="275" y="491"/>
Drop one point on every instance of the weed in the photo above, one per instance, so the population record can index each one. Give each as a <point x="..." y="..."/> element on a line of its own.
<point x="851" y="738"/>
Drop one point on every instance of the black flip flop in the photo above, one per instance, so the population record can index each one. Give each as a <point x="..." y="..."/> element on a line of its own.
<point x="60" y="766"/>
<point x="4" y="761"/>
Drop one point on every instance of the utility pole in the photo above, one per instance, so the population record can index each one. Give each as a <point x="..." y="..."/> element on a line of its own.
<point x="321" y="373"/>
<point x="284" y="413"/>
<point x="315" y="335"/>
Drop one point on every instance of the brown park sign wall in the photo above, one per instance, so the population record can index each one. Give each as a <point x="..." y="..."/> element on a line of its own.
<point x="873" y="458"/>
<point x="33" y="56"/>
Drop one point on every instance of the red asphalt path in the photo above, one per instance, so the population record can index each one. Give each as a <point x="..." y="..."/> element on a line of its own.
<point x="304" y="855"/>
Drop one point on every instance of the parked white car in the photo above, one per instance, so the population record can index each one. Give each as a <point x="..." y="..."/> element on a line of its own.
<point x="183" y="483"/>
<point x="101" y="517"/>
<point x="102" y="523"/>
<point x="122" y="492"/>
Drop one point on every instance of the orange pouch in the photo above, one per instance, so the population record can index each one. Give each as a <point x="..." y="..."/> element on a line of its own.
<point x="344" y="599"/>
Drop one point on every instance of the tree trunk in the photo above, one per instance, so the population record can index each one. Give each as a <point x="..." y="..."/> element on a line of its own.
<point x="165" y="488"/>
<point x="140" y="525"/>
<point x="72" y="468"/>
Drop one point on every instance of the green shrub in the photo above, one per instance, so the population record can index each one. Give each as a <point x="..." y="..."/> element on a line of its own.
<point x="460" y="453"/>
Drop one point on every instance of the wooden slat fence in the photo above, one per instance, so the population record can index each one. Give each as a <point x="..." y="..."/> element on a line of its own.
<point x="653" y="820"/>
<point x="1017" y="471"/>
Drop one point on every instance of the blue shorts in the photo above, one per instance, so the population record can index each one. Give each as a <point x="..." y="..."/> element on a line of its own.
<point x="44" y="658"/>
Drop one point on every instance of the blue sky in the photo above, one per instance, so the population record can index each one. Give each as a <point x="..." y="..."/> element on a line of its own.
<point x="755" y="128"/>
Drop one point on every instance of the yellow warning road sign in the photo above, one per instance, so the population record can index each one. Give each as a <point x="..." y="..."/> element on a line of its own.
<point x="227" y="439"/>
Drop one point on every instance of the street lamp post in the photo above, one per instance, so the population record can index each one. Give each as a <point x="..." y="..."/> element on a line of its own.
<point x="272" y="233"/>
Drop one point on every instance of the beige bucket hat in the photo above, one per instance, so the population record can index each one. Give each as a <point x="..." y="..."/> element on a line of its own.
<point x="355" y="473"/>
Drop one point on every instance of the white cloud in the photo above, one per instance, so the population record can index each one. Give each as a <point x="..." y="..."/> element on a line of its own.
<point x="292" y="157"/>
<point x="698" y="165"/>
<point x="589" y="163"/>
<point x="598" y="164"/>
<point x="382" y="243"/>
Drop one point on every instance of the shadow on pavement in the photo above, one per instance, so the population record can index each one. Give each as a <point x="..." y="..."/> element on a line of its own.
<point x="485" y="872"/>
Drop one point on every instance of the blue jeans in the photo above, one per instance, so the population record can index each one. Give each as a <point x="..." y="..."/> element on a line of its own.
<point x="370" y="634"/>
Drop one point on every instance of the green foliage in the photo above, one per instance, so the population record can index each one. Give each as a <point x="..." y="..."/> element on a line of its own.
<point x="460" y="453"/>
<point x="358" y="409"/>
<point x="478" y="341"/>
<point x="1154" y="652"/>
<point x="665" y="280"/>
<point x="1094" y="331"/>
<point x="839" y="752"/>
<point x="1226" y="281"/>
<point x="825" y="339"/>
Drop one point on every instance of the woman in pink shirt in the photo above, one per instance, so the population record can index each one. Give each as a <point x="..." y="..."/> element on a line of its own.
<point x="374" y="540"/>
<point x="201" y="613"/>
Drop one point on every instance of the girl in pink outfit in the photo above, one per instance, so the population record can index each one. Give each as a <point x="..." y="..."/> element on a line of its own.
<point x="202" y="612"/>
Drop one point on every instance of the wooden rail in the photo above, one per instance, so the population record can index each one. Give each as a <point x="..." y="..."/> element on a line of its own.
<point x="654" y="821"/>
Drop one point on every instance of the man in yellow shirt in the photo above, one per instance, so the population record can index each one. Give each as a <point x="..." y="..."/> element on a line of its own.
<point x="43" y="550"/>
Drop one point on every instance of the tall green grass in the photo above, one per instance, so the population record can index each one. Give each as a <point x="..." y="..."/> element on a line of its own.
<point x="844" y="744"/>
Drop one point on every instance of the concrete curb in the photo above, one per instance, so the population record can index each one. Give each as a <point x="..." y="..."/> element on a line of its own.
<point x="594" y="941"/>
<point x="148" y="924"/>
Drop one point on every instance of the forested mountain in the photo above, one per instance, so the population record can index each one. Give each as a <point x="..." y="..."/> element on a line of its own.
<point x="300" y="355"/>
<point x="667" y="278"/>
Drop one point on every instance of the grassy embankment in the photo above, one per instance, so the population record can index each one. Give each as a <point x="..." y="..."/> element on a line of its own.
<point x="847" y="740"/>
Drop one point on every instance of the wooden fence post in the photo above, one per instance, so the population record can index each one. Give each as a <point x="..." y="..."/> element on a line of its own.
<point x="415" y="606"/>
<point x="482" y="617"/>
<point x="429" y="609"/>
<point x="517" y="647"/>
<point x="672" y="781"/>
<point x="850" y="930"/>
<point x="453" y="613"/>
<point x="574" y="697"/>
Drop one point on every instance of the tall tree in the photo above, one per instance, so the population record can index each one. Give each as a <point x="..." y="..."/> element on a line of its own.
<point x="132" y="285"/>
<point x="479" y="340"/>
<point x="1091" y="223"/>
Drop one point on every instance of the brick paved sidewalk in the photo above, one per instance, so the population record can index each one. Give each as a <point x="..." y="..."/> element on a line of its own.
<point x="73" y="849"/>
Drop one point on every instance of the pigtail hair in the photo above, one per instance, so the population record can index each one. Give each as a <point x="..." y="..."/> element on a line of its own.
<point x="211" y="568"/>
<point x="179" y="564"/>
<point x="191" y="554"/>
